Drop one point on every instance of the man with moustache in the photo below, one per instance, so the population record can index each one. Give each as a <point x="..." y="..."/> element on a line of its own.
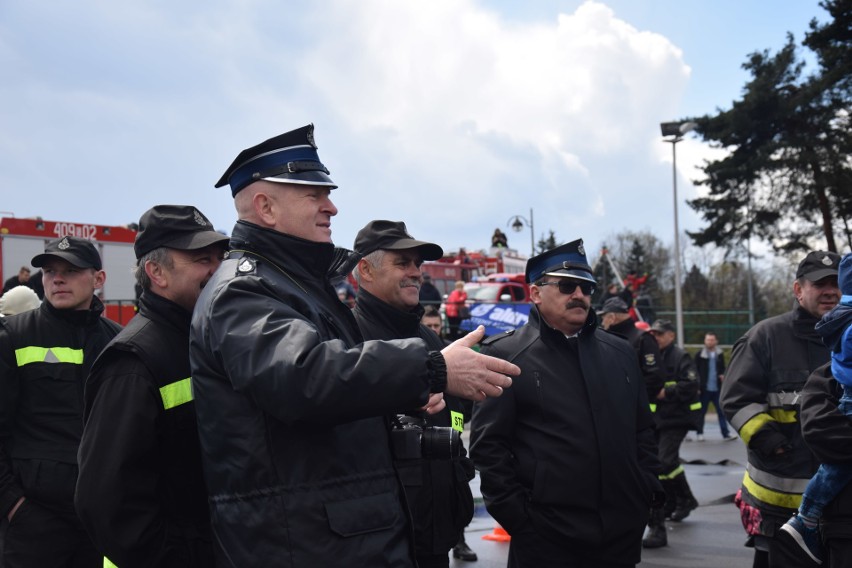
<point x="291" y="403"/>
<point x="760" y="397"/>
<point x="388" y="307"/>
<point x="45" y="355"/>
<point x="567" y="456"/>
<point x="141" y="491"/>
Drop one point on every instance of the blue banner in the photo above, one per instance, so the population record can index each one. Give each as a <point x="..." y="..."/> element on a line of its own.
<point x="496" y="318"/>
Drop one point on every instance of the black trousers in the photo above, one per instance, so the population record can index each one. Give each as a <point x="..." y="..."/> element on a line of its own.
<point x="41" y="537"/>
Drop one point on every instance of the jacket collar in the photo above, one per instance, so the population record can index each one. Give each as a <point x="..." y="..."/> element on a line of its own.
<point x="402" y="324"/>
<point x="76" y="317"/>
<point x="159" y="309"/>
<point x="302" y="257"/>
<point x="804" y="324"/>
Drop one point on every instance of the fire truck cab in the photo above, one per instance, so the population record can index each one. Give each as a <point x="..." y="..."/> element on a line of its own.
<point x="22" y="239"/>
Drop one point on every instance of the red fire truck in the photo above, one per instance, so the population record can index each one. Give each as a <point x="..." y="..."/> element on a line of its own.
<point x="22" y="239"/>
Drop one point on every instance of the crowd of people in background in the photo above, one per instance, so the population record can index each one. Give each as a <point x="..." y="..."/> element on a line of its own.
<point x="282" y="401"/>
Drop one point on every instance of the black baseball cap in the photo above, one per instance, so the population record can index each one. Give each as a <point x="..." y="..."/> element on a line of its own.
<point x="287" y="158"/>
<point x="818" y="265"/>
<point x="614" y="306"/>
<point x="79" y="252"/>
<point x="181" y="227"/>
<point x="392" y="235"/>
<point x="662" y="325"/>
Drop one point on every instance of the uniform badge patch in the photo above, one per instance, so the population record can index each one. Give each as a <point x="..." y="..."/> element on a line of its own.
<point x="246" y="265"/>
<point x="199" y="218"/>
<point x="64" y="244"/>
<point x="826" y="260"/>
<point x="650" y="360"/>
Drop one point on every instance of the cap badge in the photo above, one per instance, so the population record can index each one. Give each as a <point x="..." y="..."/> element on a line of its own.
<point x="581" y="249"/>
<point x="311" y="138"/>
<point x="63" y="244"/>
<point x="826" y="260"/>
<point x="199" y="218"/>
<point x="247" y="265"/>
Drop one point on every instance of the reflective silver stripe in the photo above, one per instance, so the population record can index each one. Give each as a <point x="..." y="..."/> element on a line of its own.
<point x="784" y="484"/>
<point x="747" y="413"/>
<point x="777" y="399"/>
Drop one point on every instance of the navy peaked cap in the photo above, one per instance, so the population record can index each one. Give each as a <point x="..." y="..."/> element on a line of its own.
<point x="288" y="158"/>
<point x="568" y="260"/>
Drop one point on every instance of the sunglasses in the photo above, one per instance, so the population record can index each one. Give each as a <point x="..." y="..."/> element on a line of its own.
<point x="567" y="286"/>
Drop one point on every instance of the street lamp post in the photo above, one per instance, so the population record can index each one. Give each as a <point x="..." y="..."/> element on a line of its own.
<point x="518" y="222"/>
<point x="675" y="132"/>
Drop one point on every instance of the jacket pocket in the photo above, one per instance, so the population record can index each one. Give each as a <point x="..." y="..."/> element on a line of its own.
<point x="362" y="515"/>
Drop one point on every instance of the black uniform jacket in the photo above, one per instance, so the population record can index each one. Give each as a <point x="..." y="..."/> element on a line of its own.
<point x="569" y="450"/>
<point x="681" y="407"/>
<point x="45" y="355"/>
<point x="828" y="433"/>
<point x="141" y="492"/>
<point x="437" y="490"/>
<point x="291" y="411"/>
<point x="760" y="397"/>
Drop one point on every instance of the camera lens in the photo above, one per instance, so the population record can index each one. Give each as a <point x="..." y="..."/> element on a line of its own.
<point x="440" y="443"/>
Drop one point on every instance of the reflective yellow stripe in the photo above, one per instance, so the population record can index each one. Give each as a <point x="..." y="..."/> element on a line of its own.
<point x="653" y="407"/>
<point x="784" y="416"/>
<point x="176" y="393"/>
<point x="751" y="427"/>
<point x="27" y="355"/>
<point x="672" y="474"/>
<point x="108" y="564"/>
<point x="695" y="406"/>
<point x="777" y="498"/>
<point x="457" y="420"/>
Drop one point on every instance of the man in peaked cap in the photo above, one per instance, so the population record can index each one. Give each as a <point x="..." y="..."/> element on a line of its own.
<point x="760" y="397"/>
<point x="677" y="410"/>
<point x="45" y="355"/>
<point x="564" y="477"/>
<point x="388" y="307"/>
<point x="140" y="493"/>
<point x="286" y="389"/>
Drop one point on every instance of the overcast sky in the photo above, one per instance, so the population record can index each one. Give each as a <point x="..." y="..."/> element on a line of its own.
<point x="450" y="115"/>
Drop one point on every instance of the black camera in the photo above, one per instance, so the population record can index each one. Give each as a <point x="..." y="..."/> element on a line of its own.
<point x="411" y="439"/>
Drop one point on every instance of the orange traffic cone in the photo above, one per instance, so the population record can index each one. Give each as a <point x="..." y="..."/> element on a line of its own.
<point x="499" y="534"/>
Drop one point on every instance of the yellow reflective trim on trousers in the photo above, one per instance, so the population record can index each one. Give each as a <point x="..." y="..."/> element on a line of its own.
<point x="672" y="474"/>
<point x="108" y="564"/>
<point x="777" y="498"/>
<point x="753" y="425"/>
<point x="783" y="416"/>
<point x="695" y="406"/>
<point x="177" y="393"/>
<point x="27" y="355"/>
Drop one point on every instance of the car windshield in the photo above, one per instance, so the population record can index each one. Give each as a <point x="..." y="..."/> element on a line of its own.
<point x="483" y="293"/>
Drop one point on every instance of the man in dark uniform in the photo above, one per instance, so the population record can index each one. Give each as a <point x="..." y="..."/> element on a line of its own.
<point x="141" y="491"/>
<point x="677" y="409"/>
<point x="429" y="294"/>
<point x="291" y="402"/>
<point x="45" y="355"/>
<point x="20" y="279"/>
<point x="567" y="457"/>
<point x="615" y="317"/>
<point x="760" y="397"/>
<point x="388" y="307"/>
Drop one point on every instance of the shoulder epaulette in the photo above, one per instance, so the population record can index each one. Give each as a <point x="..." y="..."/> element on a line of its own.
<point x="493" y="338"/>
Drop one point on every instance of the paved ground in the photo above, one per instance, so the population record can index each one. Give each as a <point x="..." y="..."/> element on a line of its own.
<point x="712" y="537"/>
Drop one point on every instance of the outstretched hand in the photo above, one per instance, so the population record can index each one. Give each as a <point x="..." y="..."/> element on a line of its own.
<point x="472" y="375"/>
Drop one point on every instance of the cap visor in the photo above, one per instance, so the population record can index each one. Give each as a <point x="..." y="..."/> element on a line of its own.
<point x="820" y="274"/>
<point x="428" y="251"/>
<point x="304" y="178"/>
<point x="197" y="240"/>
<point x="573" y="273"/>
<point x="39" y="260"/>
